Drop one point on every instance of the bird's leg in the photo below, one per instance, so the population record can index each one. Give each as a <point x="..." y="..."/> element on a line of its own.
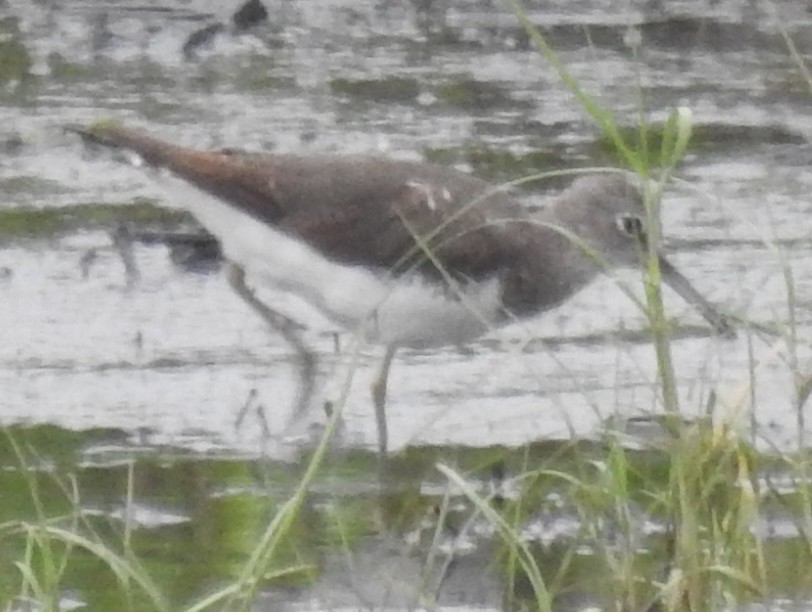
<point x="379" y="398"/>
<point x="289" y="329"/>
<point x="123" y="244"/>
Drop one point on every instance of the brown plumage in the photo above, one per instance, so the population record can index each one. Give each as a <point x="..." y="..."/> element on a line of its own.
<point x="354" y="209"/>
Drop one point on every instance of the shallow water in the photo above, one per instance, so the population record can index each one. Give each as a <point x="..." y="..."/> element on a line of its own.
<point x="170" y="360"/>
<point x="471" y="82"/>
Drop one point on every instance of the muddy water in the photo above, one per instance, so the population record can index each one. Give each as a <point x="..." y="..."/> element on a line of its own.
<point x="179" y="354"/>
<point x="171" y="359"/>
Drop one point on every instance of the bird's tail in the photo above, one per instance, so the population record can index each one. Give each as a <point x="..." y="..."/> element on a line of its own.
<point x="111" y="134"/>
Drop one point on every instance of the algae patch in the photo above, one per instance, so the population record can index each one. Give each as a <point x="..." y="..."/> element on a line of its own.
<point x="29" y="222"/>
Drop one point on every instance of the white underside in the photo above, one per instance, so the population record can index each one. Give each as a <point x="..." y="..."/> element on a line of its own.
<point x="398" y="312"/>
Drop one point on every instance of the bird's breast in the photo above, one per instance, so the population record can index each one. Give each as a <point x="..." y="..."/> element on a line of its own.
<point x="412" y="310"/>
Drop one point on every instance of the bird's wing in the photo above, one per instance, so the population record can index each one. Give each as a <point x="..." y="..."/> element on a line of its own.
<point x="357" y="210"/>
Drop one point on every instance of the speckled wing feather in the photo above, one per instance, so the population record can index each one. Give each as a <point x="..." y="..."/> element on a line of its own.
<point x="354" y="209"/>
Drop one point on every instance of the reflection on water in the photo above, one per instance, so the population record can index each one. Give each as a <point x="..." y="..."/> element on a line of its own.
<point x="194" y="520"/>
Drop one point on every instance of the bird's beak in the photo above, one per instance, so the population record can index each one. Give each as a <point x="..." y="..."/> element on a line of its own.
<point x="674" y="279"/>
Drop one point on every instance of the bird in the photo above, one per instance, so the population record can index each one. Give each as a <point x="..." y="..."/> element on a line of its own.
<point x="406" y="254"/>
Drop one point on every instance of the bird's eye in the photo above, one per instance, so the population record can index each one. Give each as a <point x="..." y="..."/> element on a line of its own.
<point x="631" y="225"/>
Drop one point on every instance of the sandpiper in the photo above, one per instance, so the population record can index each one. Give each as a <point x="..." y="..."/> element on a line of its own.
<point x="406" y="254"/>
